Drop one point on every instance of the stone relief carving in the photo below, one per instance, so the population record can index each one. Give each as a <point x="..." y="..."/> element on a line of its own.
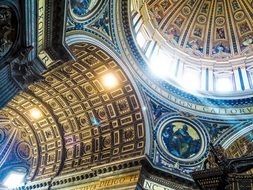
<point x="22" y="68"/>
<point x="8" y="25"/>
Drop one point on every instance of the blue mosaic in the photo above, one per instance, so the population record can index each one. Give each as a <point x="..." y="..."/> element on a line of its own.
<point x="82" y="7"/>
<point x="181" y="140"/>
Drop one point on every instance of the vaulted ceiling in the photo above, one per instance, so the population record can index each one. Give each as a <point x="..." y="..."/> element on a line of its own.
<point x="95" y="112"/>
<point x="74" y="121"/>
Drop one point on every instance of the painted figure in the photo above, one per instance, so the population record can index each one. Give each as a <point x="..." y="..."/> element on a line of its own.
<point x="179" y="142"/>
<point x="80" y="7"/>
<point x="220" y="33"/>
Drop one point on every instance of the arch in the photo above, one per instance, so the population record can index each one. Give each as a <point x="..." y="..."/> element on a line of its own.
<point x="82" y="123"/>
<point x="232" y="135"/>
<point x="76" y="38"/>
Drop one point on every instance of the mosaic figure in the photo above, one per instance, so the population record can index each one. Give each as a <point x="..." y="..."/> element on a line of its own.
<point x="195" y="46"/>
<point x="181" y="140"/>
<point x="157" y="13"/>
<point x="235" y="5"/>
<point x="179" y="21"/>
<point x="165" y="4"/>
<point x="220" y="33"/>
<point x="82" y="7"/>
<point x="172" y="34"/>
<point x="198" y="32"/>
<point x="220" y="48"/>
<point x="205" y="8"/>
<point x="219" y="9"/>
<point x="103" y="23"/>
<point x="244" y="28"/>
<point x="248" y="41"/>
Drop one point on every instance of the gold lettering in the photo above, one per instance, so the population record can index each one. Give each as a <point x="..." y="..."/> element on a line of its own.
<point x="181" y="102"/>
<point x="242" y="111"/>
<point x="249" y="109"/>
<point x="205" y="109"/>
<point x="41" y="20"/>
<point x="134" y="178"/>
<point x="129" y="179"/>
<point x="212" y="110"/>
<point x="44" y="57"/>
<point x="233" y="111"/>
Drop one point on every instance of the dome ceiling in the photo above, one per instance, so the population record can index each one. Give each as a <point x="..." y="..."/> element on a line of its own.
<point x="205" y="28"/>
<point x="198" y="46"/>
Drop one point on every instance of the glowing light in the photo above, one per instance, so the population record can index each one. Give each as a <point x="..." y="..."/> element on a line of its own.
<point x="190" y="81"/>
<point x="224" y="84"/>
<point x="140" y="39"/>
<point x="144" y="108"/>
<point x="14" y="179"/>
<point x="36" y="113"/>
<point x="95" y="121"/>
<point x="160" y="65"/>
<point x="110" y="81"/>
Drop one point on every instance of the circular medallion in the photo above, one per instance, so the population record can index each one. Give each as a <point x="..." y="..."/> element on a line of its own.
<point x="220" y="21"/>
<point x="81" y="9"/>
<point x="89" y="89"/>
<point x="53" y="104"/>
<point x="68" y="69"/>
<point x="9" y="29"/>
<point x="24" y="150"/>
<point x="83" y="120"/>
<point x="186" y="11"/>
<point x="66" y="127"/>
<point x="102" y="113"/>
<point x="49" y="79"/>
<point x="106" y="141"/>
<point x="70" y="97"/>
<point x="181" y="139"/>
<point x="88" y="147"/>
<point x="239" y="15"/>
<point x="201" y="19"/>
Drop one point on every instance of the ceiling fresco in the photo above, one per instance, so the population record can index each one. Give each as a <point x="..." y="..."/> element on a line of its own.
<point x="177" y="65"/>
<point x="204" y="28"/>
<point x="93" y="117"/>
<point x="181" y="139"/>
<point x="98" y="23"/>
<point x="75" y="120"/>
<point x="80" y="9"/>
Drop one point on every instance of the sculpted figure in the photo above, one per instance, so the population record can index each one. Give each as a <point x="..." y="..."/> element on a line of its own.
<point x="22" y="68"/>
<point x="6" y="40"/>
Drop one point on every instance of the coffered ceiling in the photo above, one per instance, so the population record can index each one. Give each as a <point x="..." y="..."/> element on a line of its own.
<point x="85" y="114"/>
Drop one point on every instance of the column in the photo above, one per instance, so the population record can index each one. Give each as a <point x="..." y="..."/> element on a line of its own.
<point x="244" y="77"/>
<point x="237" y="79"/>
<point x="150" y="49"/>
<point x="204" y="78"/>
<point x="210" y="79"/>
